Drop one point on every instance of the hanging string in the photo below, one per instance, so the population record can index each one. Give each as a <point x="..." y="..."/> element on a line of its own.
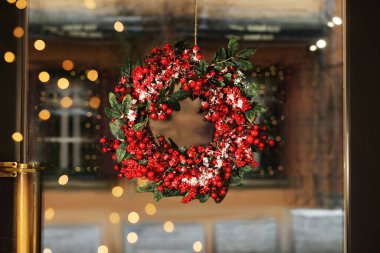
<point x="195" y="21"/>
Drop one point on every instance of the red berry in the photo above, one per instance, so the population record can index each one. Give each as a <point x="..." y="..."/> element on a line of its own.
<point x="153" y="116"/>
<point x="196" y="48"/>
<point x="103" y="140"/>
<point x="164" y="107"/>
<point x="249" y="139"/>
<point x="169" y="111"/>
<point x="162" y="117"/>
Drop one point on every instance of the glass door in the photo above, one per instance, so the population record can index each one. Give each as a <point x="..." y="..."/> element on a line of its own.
<point x="293" y="202"/>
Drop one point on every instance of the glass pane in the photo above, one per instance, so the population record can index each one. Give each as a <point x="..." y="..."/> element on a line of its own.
<point x="76" y="51"/>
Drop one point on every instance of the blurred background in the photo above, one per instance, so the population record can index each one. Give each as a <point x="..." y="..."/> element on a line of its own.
<point x="293" y="203"/>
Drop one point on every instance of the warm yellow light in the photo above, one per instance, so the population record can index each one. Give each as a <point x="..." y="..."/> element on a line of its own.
<point x="44" y="114"/>
<point x="197" y="246"/>
<point x="16" y="136"/>
<point x="117" y="191"/>
<point x="44" y="76"/>
<point x="66" y="102"/>
<point x="11" y="1"/>
<point x="103" y="249"/>
<point x="94" y="102"/>
<point x="119" y="27"/>
<point x="9" y="57"/>
<point x="92" y="75"/>
<point x="132" y="237"/>
<point x="133" y="217"/>
<point x="321" y="43"/>
<point x="18" y="32"/>
<point x="67" y="65"/>
<point x="49" y="213"/>
<point x="21" y="4"/>
<point x="90" y="4"/>
<point x="63" y="180"/>
<point x="63" y="83"/>
<point x="150" y="209"/>
<point x="39" y="45"/>
<point x="114" y="218"/>
<point x="47" y="251"/>
<point x="313" y="48"/>
<point x="169" y="226"/>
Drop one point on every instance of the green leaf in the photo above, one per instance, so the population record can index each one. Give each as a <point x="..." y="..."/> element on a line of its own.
<point x="175" y="105"/>
<point x="172" y="143"/>
<point x="143" y="162"/>
<point x="249" y="89"/>
<point x="243" y="64"/>
<point x="157" y="195"/>
<point x="180" y="95"/>
<point x="171" y="86"/>
<point x="116" y="130"/>
<point x="203" y="198"/>
<point x="139" y="126"/>
<point x="221" y="83"/>
<point x="228" y="76"/>
<point x="232" y="47"/>
<point x="113" y="101"/>
<point x="247" y="52"/>
<point x="151" y="187"/>
<point x="121" y="151"/>
<point x="126" y="104"/>
<point x="237" y="179"/>
<point x="250" y="115"/>
<point x="246" y="169"/>
<point x="112" y="114"/>
<point x="127" y="68"/>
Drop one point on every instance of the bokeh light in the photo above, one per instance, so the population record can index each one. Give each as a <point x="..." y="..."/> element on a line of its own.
<point x="63" y="180"/>
<point x="67" y="65"/>
<point x="133" y="217"/>
<point x="102" y="249"/>
<point x="90" y="4"/>
<point x="313" y="48"/>
<point x="337" y="20"/>
<point x="114" y="218"/>
<point x="44" y="76"/>
<point x="117" y="191"/>
<point x="94" y="102"/>
<point x="92" y="75"/>
<point x="63" y="83"/>
<point x="168" y="226"/>
<point x="321" y="43"/>
<point x="197" y="246"/>
<point x="9" y="57"/>
<point x="39" y="45"/>
<point x="47" y="250"/>
<point x="132" y="237"/>
<point x="119" y="27"/>
<point x="44" y="114"/>
<point x="150" y="209"/>
<point x="18" y="32"/>
<point x="49" y="213"/>
<point x="17" y="136"/>
<point x="21" y="4"/>
<point x="66" y="102"/>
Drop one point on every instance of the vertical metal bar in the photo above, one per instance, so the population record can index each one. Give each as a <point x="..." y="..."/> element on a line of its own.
<point x="36" y="234"/>
<point x="23" y="213"/>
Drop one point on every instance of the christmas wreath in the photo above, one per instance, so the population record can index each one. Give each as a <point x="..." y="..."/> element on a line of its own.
<point x="153" y="89"/>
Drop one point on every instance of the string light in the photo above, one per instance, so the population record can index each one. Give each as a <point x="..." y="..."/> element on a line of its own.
<point x="44" y="76"/>
<point x="168" y="226"/>
<point x="39" y="45"/>
<point x="67" y="65"/>
<point x="17" y="137"/>
<point x="44" y="114"/>
<point x="18" y="32"/>
<point x="133" y="217"/>
<point x="9" y="57"/>
<point x="132" y="237"/>
<point x="118" y="26"/>
<point x="63" y="180"/>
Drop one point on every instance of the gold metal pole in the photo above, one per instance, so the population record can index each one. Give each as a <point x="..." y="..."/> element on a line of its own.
<point x="36" y="235"/>
<point x="23" y="213"/>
